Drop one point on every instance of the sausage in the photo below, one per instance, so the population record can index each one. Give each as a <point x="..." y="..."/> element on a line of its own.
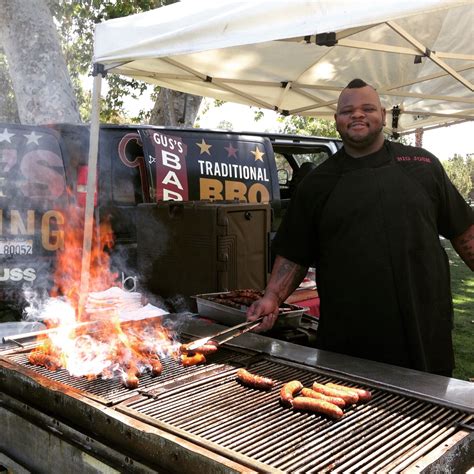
<point x="319" y="406"/>
<point x="130" y="380"/>
<point x="187" y="360"/>
<point x="364" y="395"/>
<point x="332" y="392"/>
<point x="254" y="381"/>
<point x="156" y="366"/>
<point x="288" y="391"/>
<point x="42" y="359"/>
<point x="307" y="392"/>
<point x="206" y="349"/>
<point x="209" y="348"/>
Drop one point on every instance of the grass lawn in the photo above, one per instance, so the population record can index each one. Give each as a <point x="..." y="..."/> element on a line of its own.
<point x="462" y="285"/>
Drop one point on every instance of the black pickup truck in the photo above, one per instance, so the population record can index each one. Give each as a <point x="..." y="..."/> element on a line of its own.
<point x="43" y="170"/>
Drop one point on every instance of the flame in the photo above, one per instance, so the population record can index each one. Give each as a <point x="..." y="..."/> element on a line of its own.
<point x="67" y="275"/>
<point x="99" y="342"/>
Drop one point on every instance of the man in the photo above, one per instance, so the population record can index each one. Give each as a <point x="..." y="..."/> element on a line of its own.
<point x="369" y="220"/>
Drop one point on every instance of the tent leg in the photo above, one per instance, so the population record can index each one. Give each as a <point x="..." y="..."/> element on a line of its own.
<point x="91" y="190"/>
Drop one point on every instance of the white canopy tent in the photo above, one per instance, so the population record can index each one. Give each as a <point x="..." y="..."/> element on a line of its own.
<point x="295" y="56"/>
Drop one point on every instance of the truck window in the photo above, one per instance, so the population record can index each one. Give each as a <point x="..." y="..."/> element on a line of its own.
<point x="31" y="168"/>
<point x="129" y="181"/>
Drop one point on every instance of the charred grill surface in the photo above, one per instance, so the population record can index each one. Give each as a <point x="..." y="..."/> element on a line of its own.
<point x="389" y="432"/>
<point x="206" y="405"/>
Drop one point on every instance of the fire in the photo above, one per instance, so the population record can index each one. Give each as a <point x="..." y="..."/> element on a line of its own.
<point x="98" y="340"/>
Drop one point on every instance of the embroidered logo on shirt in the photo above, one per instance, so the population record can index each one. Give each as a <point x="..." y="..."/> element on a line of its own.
<point x="423" y="159"/>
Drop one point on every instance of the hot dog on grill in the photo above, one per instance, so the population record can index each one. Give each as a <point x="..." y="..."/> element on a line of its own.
<point x="206" y="349"/>
<point x="289" y="390"/>
<point x="209" y="348"/>
<point x="187" y="360"/>
<point x="156" y="367"/>
<point x="319" y="406"/>
<point x="364" y="395"/>
<point x="332" y="392"/>
<point x="254" y="381"/>
<point x="307" y="392"/>
<point x="130" y="380"/>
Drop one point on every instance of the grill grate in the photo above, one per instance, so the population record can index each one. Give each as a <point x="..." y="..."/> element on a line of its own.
<point x="388" y="433"/>
<point x="110" y="391"/>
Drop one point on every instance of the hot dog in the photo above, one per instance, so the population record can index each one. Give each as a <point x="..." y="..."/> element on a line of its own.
<point x="319" y="406"/>
<point x="156" y="366"/>
<point x="254" y="381"/>
<point x="364" y="395"/>
<point x="195" y="359"/>
<point x="307" y="392"/>
<point x="332" y="392"/>
<point x="209" y="348"/>
<point x="206" y="349"/>
<point x="289" y="390"/>
<point x="130" y="380"/>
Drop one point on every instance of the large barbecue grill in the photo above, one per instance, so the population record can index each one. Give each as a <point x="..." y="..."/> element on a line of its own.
<point x="201" y="418"/>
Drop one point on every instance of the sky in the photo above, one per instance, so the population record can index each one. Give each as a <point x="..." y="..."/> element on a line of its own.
<point x="442" y="142"/>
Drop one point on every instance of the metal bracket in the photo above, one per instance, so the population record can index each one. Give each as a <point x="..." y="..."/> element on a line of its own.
<point x="98" y="68"/>
<point x="326" y="39"/>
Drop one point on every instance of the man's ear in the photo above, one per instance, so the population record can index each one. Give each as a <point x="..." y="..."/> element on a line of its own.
<point x="384" y="116"/>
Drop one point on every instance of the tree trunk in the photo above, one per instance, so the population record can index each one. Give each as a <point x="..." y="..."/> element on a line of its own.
<point x="419" y="137"/>
<point x="175" y="108"/>
<point x="8" y="108"/>
<point x="38" y="71"/>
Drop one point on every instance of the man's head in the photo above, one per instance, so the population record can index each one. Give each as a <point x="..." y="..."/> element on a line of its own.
<point x="360" y="118"/>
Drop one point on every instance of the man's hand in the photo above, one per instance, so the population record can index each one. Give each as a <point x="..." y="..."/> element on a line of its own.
<point x="285" y="278"/>
<point x="268" y="307"/>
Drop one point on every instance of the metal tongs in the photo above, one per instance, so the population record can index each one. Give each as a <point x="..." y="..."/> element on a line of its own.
<point x="239" y="330"/>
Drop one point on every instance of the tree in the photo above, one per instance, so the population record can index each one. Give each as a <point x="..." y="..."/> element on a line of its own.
<point x="8" y="108"/>
<point x="38" y="72"/>
<point x="23" y="19"/>
<point x="76" y="22"/>
<point x="300" y="125"/>
<point x="459" y="170"/>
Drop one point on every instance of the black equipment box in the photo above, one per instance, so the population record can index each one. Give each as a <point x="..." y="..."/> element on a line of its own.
<point x="191" y="247"/>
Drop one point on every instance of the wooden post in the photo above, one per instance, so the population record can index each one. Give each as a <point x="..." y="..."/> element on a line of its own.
<point x="419" y="137"/>
<point x="90" y="195"/>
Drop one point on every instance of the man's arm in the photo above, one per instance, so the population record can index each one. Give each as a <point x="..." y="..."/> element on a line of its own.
<point x="285" y="278"/>
<point x="464" y="246"/>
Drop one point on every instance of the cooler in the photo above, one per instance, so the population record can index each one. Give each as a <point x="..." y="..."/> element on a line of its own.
<point x="189" y="248"/>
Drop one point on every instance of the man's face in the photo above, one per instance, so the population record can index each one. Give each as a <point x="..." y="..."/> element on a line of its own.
<point x="360" y="117"/>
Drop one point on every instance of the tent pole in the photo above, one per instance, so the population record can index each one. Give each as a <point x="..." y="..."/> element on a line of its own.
<point x="91" y="191"/>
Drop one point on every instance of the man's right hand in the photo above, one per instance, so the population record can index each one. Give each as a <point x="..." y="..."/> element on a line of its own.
<point x="266" y="306"/>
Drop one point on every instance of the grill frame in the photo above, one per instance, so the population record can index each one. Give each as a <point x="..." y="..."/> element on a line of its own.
<point x="119" y="426"/>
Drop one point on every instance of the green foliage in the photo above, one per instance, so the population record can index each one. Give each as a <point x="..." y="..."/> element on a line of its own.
<point x="462" y="286"/>
<point x="225" y="125"/>
<point x="76" y="22"/>
<point x="459" y="170"/>
<point x="299" y="125"/>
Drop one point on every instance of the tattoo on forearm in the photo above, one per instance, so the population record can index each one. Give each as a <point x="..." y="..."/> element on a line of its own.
<point x="464" y="246"/>
<point x="288" y="277"/>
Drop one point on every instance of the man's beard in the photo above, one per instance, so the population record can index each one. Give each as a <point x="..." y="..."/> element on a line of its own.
<point x="361" y="142"/>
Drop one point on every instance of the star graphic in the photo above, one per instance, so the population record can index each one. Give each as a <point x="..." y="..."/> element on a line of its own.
<point x="258" y="154"/>
<point x="204" y="147"/>
<point x="32" y="138"/>
<point x="231" y="151"/>
<point x="5" y="136"/>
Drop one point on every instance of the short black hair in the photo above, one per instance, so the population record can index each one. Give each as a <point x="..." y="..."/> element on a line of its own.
<point x="356" y="84"/>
